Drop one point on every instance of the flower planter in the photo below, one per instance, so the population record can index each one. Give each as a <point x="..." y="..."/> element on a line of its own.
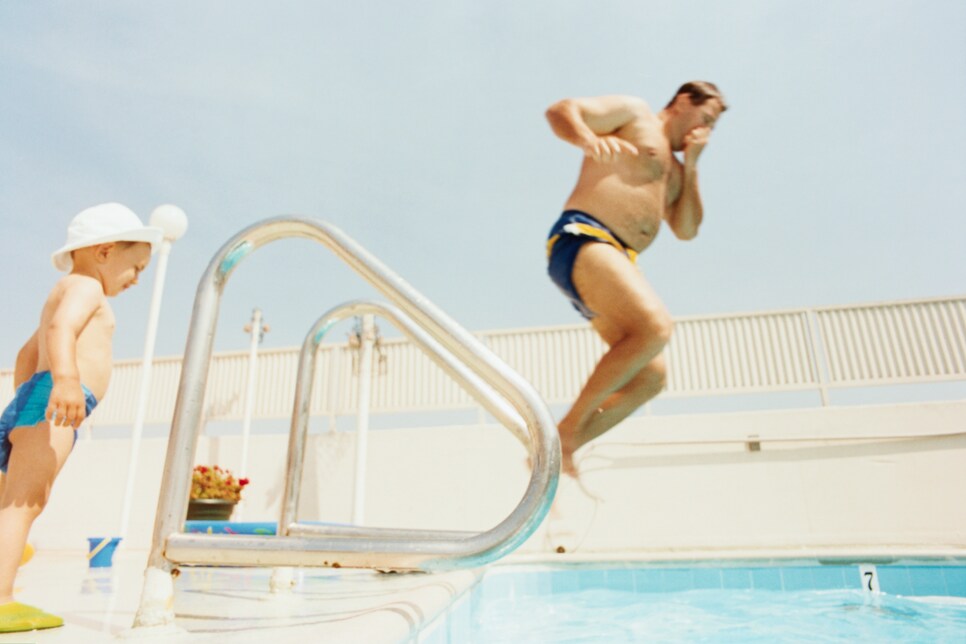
<point x="210" y="509"/>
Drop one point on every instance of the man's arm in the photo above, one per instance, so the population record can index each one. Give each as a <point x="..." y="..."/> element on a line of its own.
<point x="685" y="214"/>
<point x="589" y="123"/>
<point x="79" y="303"/>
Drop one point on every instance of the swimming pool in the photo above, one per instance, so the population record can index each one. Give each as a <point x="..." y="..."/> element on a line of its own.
<point x="793" y="601"/>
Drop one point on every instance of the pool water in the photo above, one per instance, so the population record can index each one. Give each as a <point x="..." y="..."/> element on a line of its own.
<point x="705" y="604"/>
<point x="720" y="616"/>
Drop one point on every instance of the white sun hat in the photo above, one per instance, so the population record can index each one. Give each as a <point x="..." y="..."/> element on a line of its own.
<point x="107" y="222"/>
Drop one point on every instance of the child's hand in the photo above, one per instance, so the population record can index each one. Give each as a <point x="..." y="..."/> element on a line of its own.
<point x="67" y="405"/>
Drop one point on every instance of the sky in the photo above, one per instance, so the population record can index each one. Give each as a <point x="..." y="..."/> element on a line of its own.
<point x="837" y="176"/>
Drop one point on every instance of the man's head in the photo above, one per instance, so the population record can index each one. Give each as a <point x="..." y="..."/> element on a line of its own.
<point x="697" y="104"/>
<point x="698" y="93"/>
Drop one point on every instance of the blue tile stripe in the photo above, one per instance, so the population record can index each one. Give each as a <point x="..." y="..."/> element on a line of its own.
<point x="895" y="579"/>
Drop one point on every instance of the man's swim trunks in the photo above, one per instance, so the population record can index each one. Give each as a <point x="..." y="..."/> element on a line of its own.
<point x="29" y="407"/>
<point x="573" y="230"/>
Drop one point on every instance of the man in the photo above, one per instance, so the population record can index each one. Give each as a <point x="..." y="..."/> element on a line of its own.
<point x="629" y="182"/>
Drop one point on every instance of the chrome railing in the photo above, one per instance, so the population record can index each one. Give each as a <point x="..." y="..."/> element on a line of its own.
<point x="494" y="384"/>
<point x="458" y="371"/>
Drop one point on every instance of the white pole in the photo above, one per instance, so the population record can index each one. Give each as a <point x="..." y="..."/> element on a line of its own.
<point x="173" y="222"/>
<point x="362" y="424"/>
<point x="256" y="331"/>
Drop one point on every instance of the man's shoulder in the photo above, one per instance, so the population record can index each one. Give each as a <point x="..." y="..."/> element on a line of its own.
<point x="633" y="104"/>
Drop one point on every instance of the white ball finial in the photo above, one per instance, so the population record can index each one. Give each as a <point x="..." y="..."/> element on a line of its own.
<point x="171" y="220"/>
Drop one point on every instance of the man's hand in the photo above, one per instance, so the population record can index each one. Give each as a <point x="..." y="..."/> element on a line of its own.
<point x="67" y="405"/>
<point x="694" y="142"/>
<point x="607" y="148"/>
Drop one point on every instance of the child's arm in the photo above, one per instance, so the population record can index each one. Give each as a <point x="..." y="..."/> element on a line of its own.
<point x="83" y="297"/>
<point x="26" y="364"/>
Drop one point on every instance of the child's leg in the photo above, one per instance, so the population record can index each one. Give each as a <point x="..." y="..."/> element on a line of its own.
<point x="36" y="458"/>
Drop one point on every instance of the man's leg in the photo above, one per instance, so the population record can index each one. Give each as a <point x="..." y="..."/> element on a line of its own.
<point x="647" y="384"/>
<point x="633" y="321"/>
<point x="36" y="458"/>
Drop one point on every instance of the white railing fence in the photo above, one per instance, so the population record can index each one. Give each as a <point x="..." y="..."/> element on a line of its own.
<point x="892" y="344"/>
<point x="809" y="349"/>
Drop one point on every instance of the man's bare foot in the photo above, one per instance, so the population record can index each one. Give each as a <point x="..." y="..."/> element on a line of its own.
<point x="567" y="450"/>
<point x="567" y="465"/>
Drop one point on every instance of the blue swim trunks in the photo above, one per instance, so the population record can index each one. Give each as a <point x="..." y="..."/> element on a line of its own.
<point x="29" y="407"/>
<point x="574" y="229"/>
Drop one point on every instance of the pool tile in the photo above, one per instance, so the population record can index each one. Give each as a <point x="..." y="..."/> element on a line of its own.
<point x="919" y="580"/>
<point x="956" y="580"/>
<point x="894" y="580"/>
<point x="620" y="579"/>
<point x="499" y="586"/>
<point x="438" y="635"/>
<point x="705" y="578"/>
<point x="738" y="578"/>
<point x="564" y="581"/>
<point x="460" y="623"/>
<point x="592" y="579"/>
<point x="677" y="579"/>
<point x="528" y="585"/>
<point x="928" y="581"/>
<point x="797" y="578"/>
<point x="544" y="583"/>
<point x="766" y="579"/>
<point x="833" y="577"/>
<point x="477" y="601"/>
<point x="648" y="580"/>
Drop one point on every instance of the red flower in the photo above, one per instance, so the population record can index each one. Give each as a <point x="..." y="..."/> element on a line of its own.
<point x="215" y="483"/>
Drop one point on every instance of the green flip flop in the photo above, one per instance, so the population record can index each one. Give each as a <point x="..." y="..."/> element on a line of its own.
<point x="16" y="617"/>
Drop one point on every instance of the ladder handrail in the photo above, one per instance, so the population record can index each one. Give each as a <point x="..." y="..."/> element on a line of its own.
<point x="464" y="348"/>
<point x="305" y="380"/>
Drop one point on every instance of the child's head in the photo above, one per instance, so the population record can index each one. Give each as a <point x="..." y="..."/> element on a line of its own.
<point x="111" y="241"/>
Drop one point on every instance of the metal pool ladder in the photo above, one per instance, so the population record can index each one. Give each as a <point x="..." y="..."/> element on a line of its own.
<point x="500" y="390"/>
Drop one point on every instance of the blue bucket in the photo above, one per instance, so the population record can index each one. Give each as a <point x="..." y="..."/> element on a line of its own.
<point x="101" y="553"/>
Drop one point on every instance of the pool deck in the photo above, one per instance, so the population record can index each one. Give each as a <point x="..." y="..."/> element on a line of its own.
<point x="222" y="604"/>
